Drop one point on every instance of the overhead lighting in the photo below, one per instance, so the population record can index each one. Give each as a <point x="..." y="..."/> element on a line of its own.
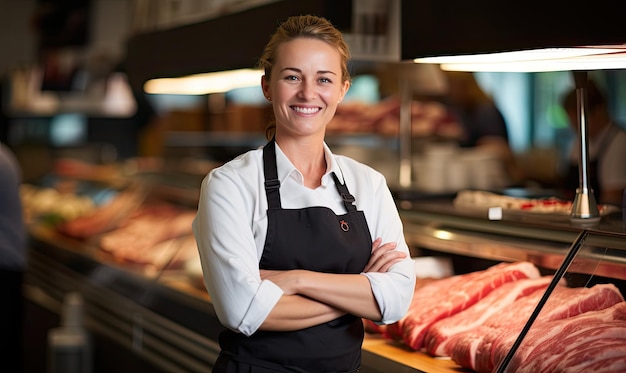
<point x="206" y="83"/>
<point x="535" y="60"/>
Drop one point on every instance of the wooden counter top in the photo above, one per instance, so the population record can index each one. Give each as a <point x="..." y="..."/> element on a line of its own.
<point x="414" y="359"/>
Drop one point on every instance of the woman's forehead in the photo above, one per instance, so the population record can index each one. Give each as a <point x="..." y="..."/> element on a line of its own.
<point x="302" y="52"/>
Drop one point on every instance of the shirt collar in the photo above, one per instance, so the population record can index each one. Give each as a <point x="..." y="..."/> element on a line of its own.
<point x="286" y="169"/>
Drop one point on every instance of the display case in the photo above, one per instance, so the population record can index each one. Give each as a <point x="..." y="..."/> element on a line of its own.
<point x="564" y="325"/>
<point x="163" y="315"/>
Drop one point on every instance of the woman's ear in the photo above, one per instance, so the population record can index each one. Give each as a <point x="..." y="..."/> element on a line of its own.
<point x="265" y="86"/>
<point x="344" y="90"/>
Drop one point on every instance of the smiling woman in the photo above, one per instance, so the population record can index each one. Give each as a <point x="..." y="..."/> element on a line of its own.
<point x="298" y="244"/>
<point x="303" y="32"/>
<point x="305" y="88"/>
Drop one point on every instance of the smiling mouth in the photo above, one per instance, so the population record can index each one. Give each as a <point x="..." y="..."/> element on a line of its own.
<point x="305" y="110"/>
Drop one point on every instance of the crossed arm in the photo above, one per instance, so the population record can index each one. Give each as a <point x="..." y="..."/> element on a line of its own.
<point x="311" y="298"/>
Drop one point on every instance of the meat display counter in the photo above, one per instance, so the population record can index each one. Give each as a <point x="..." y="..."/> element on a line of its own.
<point x="164" y="317"/>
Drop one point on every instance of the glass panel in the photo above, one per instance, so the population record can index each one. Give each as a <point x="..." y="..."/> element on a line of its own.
<point x="578" y="324"/>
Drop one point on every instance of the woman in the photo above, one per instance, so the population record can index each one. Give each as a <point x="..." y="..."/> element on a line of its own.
<point x="285" y="231"/>
<point x="481" y="123"/>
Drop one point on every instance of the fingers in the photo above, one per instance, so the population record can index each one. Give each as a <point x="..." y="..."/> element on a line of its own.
<point x="383" y="256"/>
<point x="391" y="258"/>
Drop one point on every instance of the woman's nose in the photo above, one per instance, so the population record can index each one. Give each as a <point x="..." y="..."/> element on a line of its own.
<point x="307" y="90"/>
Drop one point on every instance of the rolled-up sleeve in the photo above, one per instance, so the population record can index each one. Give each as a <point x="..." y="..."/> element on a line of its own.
<point x="229" y="255"/>
<point x="393" y="290"/>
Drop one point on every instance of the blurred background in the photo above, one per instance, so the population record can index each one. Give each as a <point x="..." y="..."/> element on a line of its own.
<point x="66" y="67"/>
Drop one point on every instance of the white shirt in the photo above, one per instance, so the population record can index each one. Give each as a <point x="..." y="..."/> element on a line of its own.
<point x="231" y="225"/>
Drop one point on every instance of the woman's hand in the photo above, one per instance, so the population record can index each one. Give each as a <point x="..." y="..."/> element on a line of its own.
<point x="383" y="256"/>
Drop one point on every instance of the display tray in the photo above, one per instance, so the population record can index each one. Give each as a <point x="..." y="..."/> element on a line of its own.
<point x="493" y="213"/>
<point x="497" y="206"/>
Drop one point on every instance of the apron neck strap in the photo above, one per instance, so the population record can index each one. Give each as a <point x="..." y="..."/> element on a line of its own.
<point x="272" y="184"/>
<point x="348" y="198"/>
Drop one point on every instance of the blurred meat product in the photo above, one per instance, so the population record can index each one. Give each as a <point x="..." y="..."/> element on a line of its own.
<point x="134" y="241"/>
<point x="428" y="118"/>
<point x="550" y="205"/>
<point x="103" y="218"/>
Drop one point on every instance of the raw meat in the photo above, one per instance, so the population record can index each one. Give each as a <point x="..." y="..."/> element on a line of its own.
<point x="422" y="294"/>
<point x="438" y="334"/>
<point x="444" y="298"/>
<point x="104" y="218"/>
<point x="137" y="240"/>
<point x="477" y="348"/>
<point x="608" y="365"/>
<point x="548" y="344"/>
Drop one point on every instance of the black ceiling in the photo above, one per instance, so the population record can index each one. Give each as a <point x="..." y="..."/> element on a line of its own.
<point x="429" y="28"/>
<point x="229" y="42"/>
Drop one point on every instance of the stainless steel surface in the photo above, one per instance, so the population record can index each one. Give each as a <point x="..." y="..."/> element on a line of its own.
<point x="439" y="226"/>
<point x="584" y="208"/>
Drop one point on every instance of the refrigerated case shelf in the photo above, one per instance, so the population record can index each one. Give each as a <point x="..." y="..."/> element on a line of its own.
<point x="441" y="227"/>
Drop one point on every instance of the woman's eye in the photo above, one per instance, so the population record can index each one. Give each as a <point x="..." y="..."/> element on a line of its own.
<point x="325" y="80"/>
<point x="291" y="77"/>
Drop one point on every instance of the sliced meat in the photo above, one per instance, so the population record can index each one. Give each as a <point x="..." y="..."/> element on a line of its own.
<point x="474" y="316"/>
<point x="548" y="343"/>
<point x="482" y="348"/>
<point x="447" y="297"/>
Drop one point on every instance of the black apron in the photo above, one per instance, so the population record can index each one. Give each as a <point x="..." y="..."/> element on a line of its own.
<point x="315" y="239"/>
<point x="572" y="178"/>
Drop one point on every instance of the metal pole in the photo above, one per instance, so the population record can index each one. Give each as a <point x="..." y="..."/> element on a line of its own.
<point x="584" y="208"/>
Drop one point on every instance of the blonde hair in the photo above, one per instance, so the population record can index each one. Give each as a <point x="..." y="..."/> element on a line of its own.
<point x="304" y="26"/>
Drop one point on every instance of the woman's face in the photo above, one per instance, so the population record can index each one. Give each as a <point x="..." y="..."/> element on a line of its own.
<point x="305" y="86"/>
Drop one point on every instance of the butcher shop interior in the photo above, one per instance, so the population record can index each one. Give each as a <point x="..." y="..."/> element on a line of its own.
<point x="516" y="271"/>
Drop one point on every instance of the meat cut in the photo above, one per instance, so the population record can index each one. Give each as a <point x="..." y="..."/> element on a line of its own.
<point x="482" y="348"/>
<point x="446" y="297"/>
<point x="574" y="344"/>
<point x="474" y="316"/>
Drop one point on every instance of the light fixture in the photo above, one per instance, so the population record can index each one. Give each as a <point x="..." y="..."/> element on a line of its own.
<point x="535" y="60"/>
<point x="207" y="83"/>
<point x="524" y="55"/>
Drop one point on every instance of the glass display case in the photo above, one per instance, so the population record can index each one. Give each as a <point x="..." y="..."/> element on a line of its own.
<point x="161" y="312"/>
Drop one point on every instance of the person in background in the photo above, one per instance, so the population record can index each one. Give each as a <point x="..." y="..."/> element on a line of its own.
<point x="299" y="245"/>
<point x="12" y="261"/>
<point x="607" y="148"/>
<point x="482" y="125"/>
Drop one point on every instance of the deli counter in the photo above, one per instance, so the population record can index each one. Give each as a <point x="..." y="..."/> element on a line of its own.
<point x="157" y="314"/>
